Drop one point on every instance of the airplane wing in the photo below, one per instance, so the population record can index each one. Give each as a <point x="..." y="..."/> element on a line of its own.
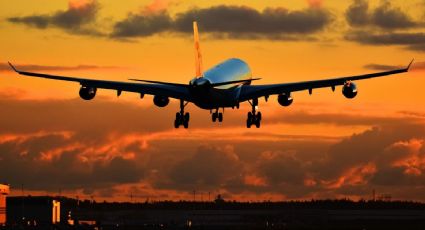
<point x="249" y="92"/>
<point x="177" y="91"/>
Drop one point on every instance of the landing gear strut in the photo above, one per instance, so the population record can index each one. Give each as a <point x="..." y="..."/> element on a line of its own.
<point x="181" y="117"/>
<point x="217" y="116"/>
<point x="254" y="117"/>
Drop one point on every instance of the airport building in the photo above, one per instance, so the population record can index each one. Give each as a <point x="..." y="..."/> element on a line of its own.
<point x="4" y="191"/>
<point x="33" y="210"/>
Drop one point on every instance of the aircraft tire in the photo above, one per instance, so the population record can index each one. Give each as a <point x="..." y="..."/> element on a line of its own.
<point x="250" y="116"/>
<point x="258" y="123"/>
<point x="214" y="117"/>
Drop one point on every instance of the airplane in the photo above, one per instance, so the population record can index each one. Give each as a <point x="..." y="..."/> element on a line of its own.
<point x="225" y="85"/>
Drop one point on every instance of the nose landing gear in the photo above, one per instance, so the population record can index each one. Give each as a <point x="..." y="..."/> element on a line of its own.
<point x="254" y="117"/>
<point x="182" y="118"/>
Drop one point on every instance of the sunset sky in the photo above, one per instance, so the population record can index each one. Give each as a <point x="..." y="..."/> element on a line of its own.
<point x="322" y="146"/>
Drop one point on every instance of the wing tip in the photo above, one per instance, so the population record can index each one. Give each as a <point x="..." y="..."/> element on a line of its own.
<point x="13" y="67"/>
<point x="410" y="64"/>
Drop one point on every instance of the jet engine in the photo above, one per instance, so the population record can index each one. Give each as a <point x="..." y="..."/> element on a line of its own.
<point x="285" y="99"/>
<point x="87" y="93"/>
<point x="349" y="90"/>
<point x="161" y="101"/>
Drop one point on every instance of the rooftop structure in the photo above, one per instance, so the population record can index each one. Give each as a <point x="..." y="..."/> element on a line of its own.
<point x="4" y="191"/>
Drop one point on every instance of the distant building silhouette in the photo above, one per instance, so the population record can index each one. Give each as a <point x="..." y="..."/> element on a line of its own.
<point x="29" y="210"/>
<point x="219" y="199"/>
<point x="4" y="191"/>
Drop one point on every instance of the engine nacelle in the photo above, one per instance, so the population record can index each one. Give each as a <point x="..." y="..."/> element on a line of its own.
<point x="161" y="101"/>
<point x="285" y="99"/>
<point x="349" y="90"/>
<point x="87" y="93"/>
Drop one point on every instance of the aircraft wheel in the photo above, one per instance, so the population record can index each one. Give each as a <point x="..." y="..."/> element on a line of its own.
<point x="214" y="117"/>
<point x="185" y="120"/>
<point x="259" y="117"/>
<point x="248" y="123"/>
<point x="249" y="120"/>
<point x="220" y="117"/>
<point x="176" y="123"/>
<point x="258" y="123"/>
<point x="250" y="116"/>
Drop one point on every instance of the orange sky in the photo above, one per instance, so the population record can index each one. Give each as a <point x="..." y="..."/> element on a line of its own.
<point x="127" y="145"/>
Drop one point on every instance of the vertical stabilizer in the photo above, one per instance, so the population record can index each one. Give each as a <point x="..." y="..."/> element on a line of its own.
<point x="198" y="55"/>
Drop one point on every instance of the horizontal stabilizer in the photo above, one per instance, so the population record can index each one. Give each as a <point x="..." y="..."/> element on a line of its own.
<point x="211" y="85"/>
<point x="234" y="82"/>
<point x="158" y="82"/>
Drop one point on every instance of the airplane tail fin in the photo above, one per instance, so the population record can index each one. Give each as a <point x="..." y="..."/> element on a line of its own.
<point x="198" y="55"/>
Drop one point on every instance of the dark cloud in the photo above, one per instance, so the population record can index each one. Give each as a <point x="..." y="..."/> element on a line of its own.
<point x="393" y="24"/>
<point x="101" y="144"/>
<point x="416" y="66"/>
<point x="357" y="13"/>
<point x="74" y="20"/>
<point x="137" y="25"/>
<point x="381" y="67"/>
<point x="412" y="41"/>
<point x="209" y="168"/>
<point x="281" y="168"/>
<point x="244" y="20"/>
<point x="222" y="21"/>
<point x="22" y="162"/>
<point x="385" y="16"/>
<point x="6" y="67"/>
<point x="232" y="21"/>
<point x="387" y="38"/>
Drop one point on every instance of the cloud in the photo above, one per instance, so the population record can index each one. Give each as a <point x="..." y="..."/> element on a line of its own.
<point x="416" y="66"/>
<point x="387" y="38"/>
<point x="384" y="25"/>
<point x="381" y="67"/>
<point x="412" y="41"/>
<point x="157" y="6"/>
<point x="103" y="144"/>
<point x="221" y="21"/>
<point x="233" y="21"/>
<point x="315" y="3"/>
<point x="385" y="16"/>
<point x="137" y="25"/>
<point x="209" y="168"/>
<point x="6" y="67"/>
<point x="357" y="13"/>
<point x="25" y="161"/>
<point x="76" y="19"/>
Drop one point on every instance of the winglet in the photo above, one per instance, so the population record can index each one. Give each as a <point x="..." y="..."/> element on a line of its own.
<point x="408" y="67"/>
<point x="13" y="67"/>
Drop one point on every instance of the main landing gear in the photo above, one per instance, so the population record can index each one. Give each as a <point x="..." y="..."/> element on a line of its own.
<point x="181" y="117"/>
<point x="217" y="116"/>
<point x="254" y="117"/>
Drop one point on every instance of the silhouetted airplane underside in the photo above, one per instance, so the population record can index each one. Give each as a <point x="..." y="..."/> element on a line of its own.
<point x="225" y="85"/>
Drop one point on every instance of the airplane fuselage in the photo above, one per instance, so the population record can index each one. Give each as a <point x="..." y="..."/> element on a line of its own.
<point x="221" y="96"/>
